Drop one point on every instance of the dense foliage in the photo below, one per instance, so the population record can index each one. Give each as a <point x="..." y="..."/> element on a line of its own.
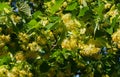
<point x="59" y="38"/>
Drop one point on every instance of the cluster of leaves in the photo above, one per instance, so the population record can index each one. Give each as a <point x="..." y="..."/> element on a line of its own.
<point x="59" y="38"/>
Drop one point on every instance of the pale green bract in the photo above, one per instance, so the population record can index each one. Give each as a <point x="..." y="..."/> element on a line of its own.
<point x="24" y="7"/>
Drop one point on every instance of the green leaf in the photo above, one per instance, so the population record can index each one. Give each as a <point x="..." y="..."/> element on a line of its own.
<point x="54" y="18"/>
<point x="56" y="6"/>
<point x="98" y="42"/>
<point x="109" y="30"/>
<point x="4" y="5"/>
<point x="51" y="26"/>
<point x="56" y="54"/>
<point x="101" y="42"/>
<point x="100" y="8"/>
<point x="32" y="23"/>
<point x="37" y="14"/>
<point x="118" y="5"/>
<point x="5" y="59"/>
<point x="54" y="21"/>
<point x="66" y="54"/>
<point x="83" y="11"/>
<point x="114" y="20"/>
<point x="71" y="6"/>
<point x="63" y="34"/>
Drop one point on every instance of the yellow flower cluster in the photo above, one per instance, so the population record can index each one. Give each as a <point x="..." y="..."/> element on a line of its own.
<point x="23" y="37"/>
<point x="26" y="45"/>
<point x="64" y="4"/>
<point x="89" y="50"/>
<point x="112" y="13"/>
<point x="4" y="39"/>
<point x="69" y="44"/>
<point x="116" y="37"/>
<point x="19" y="56"/>
<point x="40" y="40"/>
<point x="44" y="21"/>
<point x="15" y="19"/>
<point x="67" y="20"/>
<point x="83" y="2"/>
<point x="107" y="5"/>
<point x="14" y="72"/>
<point x="73" y="24"/>
<point x="3" y="71"/>
<point x="7" y="10"/>
<point x="49" y="35"/>
<point x="33" y="47"/>
<point x="75" y="29"/>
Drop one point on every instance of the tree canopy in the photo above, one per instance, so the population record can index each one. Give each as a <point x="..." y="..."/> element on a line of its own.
<point x="59" y="38"/>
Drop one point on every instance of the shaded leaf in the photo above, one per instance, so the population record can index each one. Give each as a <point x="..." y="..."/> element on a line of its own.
<point x="71" y="6"/>
<point x="83" y="11"/>
<point x="5" y="59"/>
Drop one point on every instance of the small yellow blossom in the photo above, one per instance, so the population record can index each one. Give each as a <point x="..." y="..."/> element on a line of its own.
<point x="15" y="19"/>
<point x="19" y="56"/>
<point x="3" y="71"/>
<point x="2" y="45"/>
<point x="53" y="1"/>
<point x="89" y="50"/>
<point x="40" y="40"/>
<point x="64" y="4"/>
<point x="4" y="38"/>
<point x="83" y="2"/>
<point x="82" y="31"/>
<point x="68" y="21"/>
<point x="33" y="46"/>
<point x="69" y="44"/>
<point x="116" y="37"/>
<point x="107" y="5"/>
<point x="6" y="10"/>
<point x="66" y="17"/>
<point x="23" y="37"/>
<point x="69" y="1"/>
<point x="44" y="22"/>
<point x="22" y="73"/>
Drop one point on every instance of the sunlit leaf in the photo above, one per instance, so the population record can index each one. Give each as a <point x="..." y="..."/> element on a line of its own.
<point x="4" y="5"/>
<point x="52" y="26"/>
<point x="37" y="14"/>
<point x="56" y="6"/>
<point x="32" y="23"/>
